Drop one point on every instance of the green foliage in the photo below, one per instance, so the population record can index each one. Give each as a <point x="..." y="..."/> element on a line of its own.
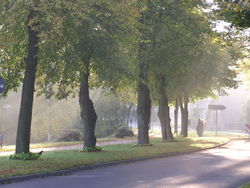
<point x="202" y="64"/>
<point x="25" y="156"/>
<point x="13" y="37"/>
<point x="95" y="32"/>
<point x="236" y="12"/>
<point x="186" y="51"/>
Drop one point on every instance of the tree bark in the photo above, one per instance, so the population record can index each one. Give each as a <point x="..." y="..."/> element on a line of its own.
<point x="184" y="115"/>
<point x="143" y="114"/>
<point x="163" y="112"/>
<point x="176" y="113"/>
<point x="88" y="113"/>
<point x="25" y="114"/>
<point x="144" y="101"/>
<point x="128" y="112"/>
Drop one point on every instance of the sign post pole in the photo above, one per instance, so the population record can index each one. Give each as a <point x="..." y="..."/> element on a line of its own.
<point x="216" y="108"/>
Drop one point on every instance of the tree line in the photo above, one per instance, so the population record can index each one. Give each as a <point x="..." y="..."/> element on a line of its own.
<point x="163" y="52"/>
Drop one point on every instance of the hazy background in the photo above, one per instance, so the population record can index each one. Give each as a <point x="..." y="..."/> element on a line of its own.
<point x="53" y="118"/>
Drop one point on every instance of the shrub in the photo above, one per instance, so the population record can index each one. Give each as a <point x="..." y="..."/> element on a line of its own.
<point x="123" y="131"/>
<point x="70" y="135"/>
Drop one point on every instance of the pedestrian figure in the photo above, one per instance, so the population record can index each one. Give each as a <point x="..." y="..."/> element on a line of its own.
<point x="200" y="128"/>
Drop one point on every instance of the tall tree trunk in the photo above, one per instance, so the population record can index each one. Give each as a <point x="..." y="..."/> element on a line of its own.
<point x="144" y="101"/>
<point x="128" y="112"/>
<point x="88" y="113"/>
<point x="184" y="115"/>
<point x="163" y="112"/>
<point x="143" y="114"/>
<point x="176" y="113"/>
<point x="25" y="114"/>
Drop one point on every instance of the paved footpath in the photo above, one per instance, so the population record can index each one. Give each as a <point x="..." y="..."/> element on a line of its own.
<point x="77" y="146"/>
<point x="224" y="167"/>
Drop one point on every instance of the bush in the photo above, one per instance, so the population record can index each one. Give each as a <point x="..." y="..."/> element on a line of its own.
<point x="123" y="132"/>
<point x="25" y="156"/>
<point x="70" y="135"/>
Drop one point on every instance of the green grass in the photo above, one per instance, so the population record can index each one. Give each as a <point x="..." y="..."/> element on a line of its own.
<point x="56" y="160"/>
<point x="247" y="185"/>
<point x="58" y="144"/>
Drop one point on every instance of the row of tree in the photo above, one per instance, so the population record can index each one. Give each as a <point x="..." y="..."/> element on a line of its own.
<point x="163" y="51"/>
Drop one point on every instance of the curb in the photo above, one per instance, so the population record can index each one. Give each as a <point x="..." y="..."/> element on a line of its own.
<point x="98" y="165"/>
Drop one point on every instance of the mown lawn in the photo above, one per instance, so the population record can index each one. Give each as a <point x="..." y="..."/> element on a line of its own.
<point x="56" y="160"/>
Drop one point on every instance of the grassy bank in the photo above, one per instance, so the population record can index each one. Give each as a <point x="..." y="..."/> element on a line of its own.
<point x="56" y="160"/>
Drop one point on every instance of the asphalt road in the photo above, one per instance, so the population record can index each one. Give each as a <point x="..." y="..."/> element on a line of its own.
<point x="225" y="167"/>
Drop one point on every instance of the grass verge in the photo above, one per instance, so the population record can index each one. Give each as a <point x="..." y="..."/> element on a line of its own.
<point x="57" y="160"/>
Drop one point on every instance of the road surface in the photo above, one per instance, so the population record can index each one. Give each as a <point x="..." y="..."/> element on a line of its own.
<point x="225" y="167"/>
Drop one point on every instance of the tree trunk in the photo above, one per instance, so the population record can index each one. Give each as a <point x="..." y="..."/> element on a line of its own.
<point x="143" y="114"/>
<point x="162" y="117"/>
<point x="128" y="112"/>
<point x="163" y="112"/>
<point x="144" y="101"/>
<point x="25" y="115"/>
<point x="88" y="113"/>
<point x="184" y="115"/>
<point x="176" y="113"/>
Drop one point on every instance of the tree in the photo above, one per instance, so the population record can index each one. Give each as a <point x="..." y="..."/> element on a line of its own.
<point x="86" y="50"/>
<point x="176" y="32"/>
<point x="236" y="12"/>
<point x="185" y="64"/>
<point x="143" y="95"/>
<point x="19" y="30"/>
<point x="213" y="72"/>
